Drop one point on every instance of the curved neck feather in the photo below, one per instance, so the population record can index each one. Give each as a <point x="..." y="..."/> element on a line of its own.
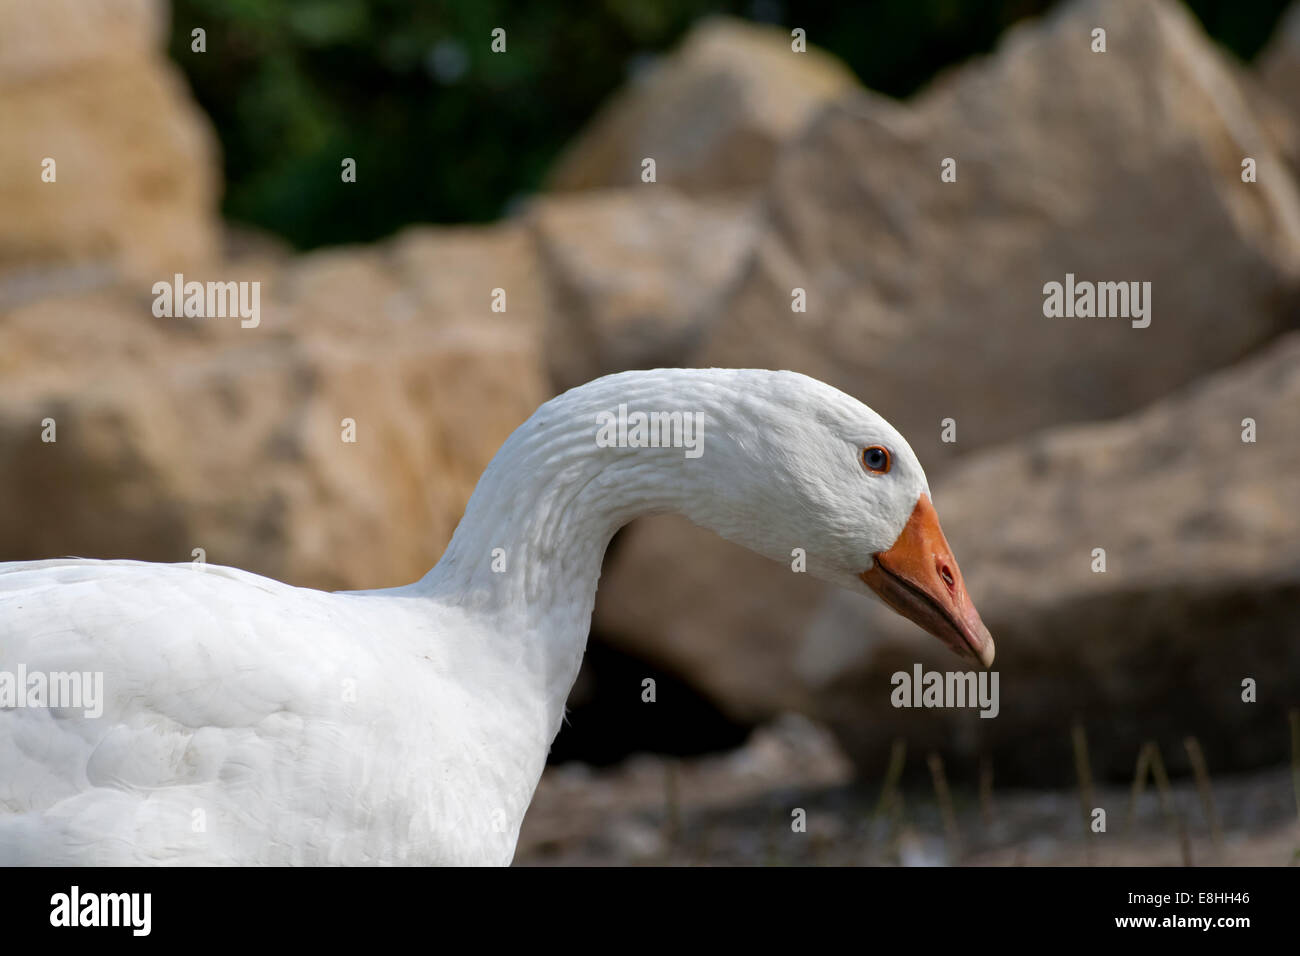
<point x="527" y="554"/>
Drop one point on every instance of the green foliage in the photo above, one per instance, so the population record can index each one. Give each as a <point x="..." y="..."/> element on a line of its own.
<point x="444" y="130"/>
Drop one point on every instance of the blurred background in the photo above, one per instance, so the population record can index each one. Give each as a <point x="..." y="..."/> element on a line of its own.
<point x="1163" y="689"/>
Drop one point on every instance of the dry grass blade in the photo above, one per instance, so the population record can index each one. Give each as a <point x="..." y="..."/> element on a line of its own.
<point x="1202" y="772"/>
<point x="1167" y="802"/>
<point x="944" y="797"/>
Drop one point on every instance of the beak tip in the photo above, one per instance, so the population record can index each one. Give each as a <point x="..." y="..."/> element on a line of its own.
<point x="980" y="642"/>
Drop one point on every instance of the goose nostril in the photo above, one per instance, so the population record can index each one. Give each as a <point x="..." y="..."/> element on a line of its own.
<point x="946" y="574"/>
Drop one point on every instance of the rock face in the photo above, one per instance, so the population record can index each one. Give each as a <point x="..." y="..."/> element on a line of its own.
<point x="712" y="116"/>
<point x="1200" y="589"/>
<point x="1279" y="63"/>
<point x="1066" y="161"/>
<point x="634" y="276"/>
<point x="135" y="190"/>
<point x="176" y="434"/>
<point x="926" y="298"/>
<point x="738" y="646"/>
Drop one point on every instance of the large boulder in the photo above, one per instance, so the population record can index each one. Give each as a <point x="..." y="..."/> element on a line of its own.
<point x="926" y="298"/>
<point x="136" y="169"/>
<point x="1200" y="590"/>
<point x="174" y="434"/>
<point x="713" y="115"/>
<point x="1279" y="63"/>
<point x="634" y="275"/>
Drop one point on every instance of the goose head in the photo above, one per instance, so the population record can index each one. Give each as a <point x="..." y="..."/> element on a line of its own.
<point x="818" y="470"/>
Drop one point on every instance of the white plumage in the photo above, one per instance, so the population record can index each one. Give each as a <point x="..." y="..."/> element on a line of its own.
<point x="248" y="721"/>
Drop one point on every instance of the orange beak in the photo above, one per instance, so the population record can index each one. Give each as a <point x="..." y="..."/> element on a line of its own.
<point x="918" y="577"/>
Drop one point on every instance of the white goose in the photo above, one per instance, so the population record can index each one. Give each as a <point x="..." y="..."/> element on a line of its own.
<point x="245" y="721"/>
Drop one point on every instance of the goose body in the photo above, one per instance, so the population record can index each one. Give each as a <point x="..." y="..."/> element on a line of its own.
<point x="246" y="721"/>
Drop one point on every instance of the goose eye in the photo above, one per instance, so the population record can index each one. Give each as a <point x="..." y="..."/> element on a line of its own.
<point x="876" y="459"/>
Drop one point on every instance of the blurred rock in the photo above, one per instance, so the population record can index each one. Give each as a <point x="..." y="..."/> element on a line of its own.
<point x="175" y="434"/>
<point x="1279" y="63"/>
<point x="87" y="84"/>
<point x="1274" y="86"/>
<point x="713" y="115"/>
<point x="1202" y="582"/>
<point x="925" y="298"/>
<point x="1067" y="162"/>
<point x="730" y="807"/>
<point x="634" y="274"/>
<point x="725" y="816"/>
<point x="663" y="603"/>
